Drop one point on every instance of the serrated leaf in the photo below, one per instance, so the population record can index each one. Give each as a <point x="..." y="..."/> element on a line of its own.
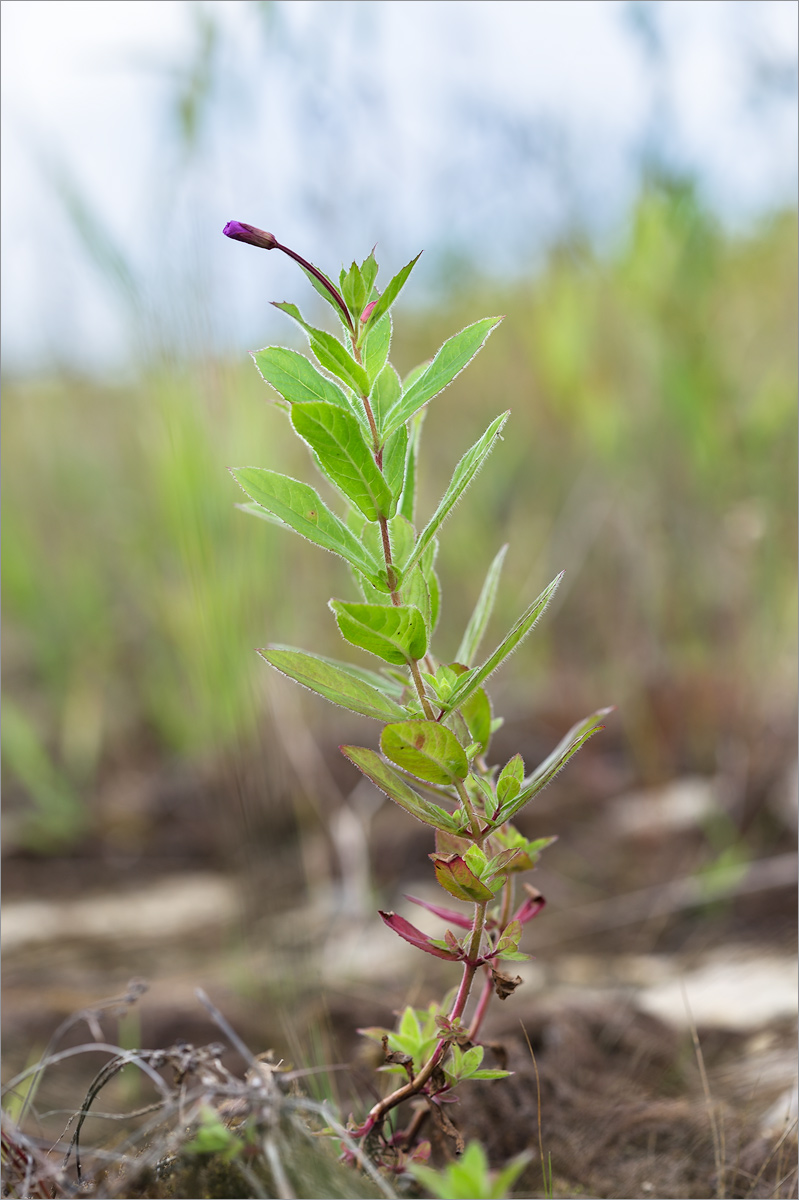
<point x="335" y="683"/>
<point x="332" y="355"/>
<point x="456" y="878"/>
<point x="395" y="634"/>
<point x="425" y="749"/>
<point x="375" y="347"/>
<point x="577" y="736"/>
<point x="407" y="504"/>
<point x="477" y="676"/>
<point x="470" y="643"/>
<point x="298" y="506"/>
<point x="393" y="786"/>
<point x="354" y="291"/>
<point x="456" y="353"/>
<point x="296" y="378"/>
<point x="394" y="456"/>
<point x="385" y="392"/>
<point x="393" y="289"/>
<point x="462" y="476"/>
<point x="335" y="437"/>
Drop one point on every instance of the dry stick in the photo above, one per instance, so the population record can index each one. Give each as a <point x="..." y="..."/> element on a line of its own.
<point x="547" y="1188"/>
<point x="718" y="1143"/>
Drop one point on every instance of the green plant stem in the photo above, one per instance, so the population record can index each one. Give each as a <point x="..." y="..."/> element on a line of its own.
<point x="474" y="821"/>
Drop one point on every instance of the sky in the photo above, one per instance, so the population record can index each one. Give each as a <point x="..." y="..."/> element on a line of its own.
<point x="132" y="130"/>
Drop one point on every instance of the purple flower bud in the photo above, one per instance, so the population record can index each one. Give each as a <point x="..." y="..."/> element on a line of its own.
<point x="251" y="235"/>
<point x="367" y="312"/>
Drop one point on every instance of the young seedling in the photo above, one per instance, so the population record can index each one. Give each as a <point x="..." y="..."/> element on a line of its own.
<point x="362" y="424"/>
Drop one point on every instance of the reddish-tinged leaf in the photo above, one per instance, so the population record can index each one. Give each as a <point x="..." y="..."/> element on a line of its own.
<point x="415" y="936"/>
<point x="455" y="876"/>
<point x="531" y="907"/>
<point x="446" y="914"/>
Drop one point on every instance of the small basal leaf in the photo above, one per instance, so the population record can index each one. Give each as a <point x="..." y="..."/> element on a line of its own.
<point x="395" y="634"/>
<point x="425" y="749"/>
<point x="389" y="782"/>
<point x="335" y="683"/>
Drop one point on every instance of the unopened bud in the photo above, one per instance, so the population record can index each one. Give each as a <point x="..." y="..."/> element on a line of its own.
<point x="367" y="312"/>
<point x="251" y="235"/>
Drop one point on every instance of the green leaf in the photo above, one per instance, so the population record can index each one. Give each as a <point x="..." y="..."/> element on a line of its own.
<point x="319" y="287"/>
<point x="335" y="683"/>
<point x="463" y="475"/>
<point x="355" y="292"/>
<point x="475" y="710"/>
<point x="459" y="880"/>
<point x="336" y="439"/>
<point x="385" y="392"/>
<point x="425" y="749"/>
<point x="577" y="736"/>
<point x="415" y="591"/>
<point x="389" y="782"/>
<point x="296" y="378"/>
<point x="394" y="456"/>
<point x="369" y="274"/>
<point x="510" y="779"/>
<point x="407" y="505"/>
<point x="299" y="507"/>
<point x="375" y="347"/>
<point x="470" y="643"/>
<point x="331" y="354"/>
<point x="395" y="634"/>
<point x="393" y="688"/>
<point x="453" y="356"/>
<point x="469" y="683"/>
<point x="393" y="289"/>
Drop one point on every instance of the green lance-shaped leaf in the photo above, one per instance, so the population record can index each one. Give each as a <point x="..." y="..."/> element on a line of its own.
<point x="331" y="354"/>
<point x="456" y="878"/>
<point x="375" y="347"/>
<point x="407" y="504"/>
<point x="299" y="507"/>
<point x="336" y="439"/>
<point x="478" y="675"/>
<point x="389" y="782"/>
<point x="296" y="378"/>
<point x="390" y="687"/>
<point x="476" y="711"/>
<point x="388" y="297"/>
<point x="355" y="290"/>
<point x="454" y="355"/>
<point x="425" y="749"/>
<point x="462" y="476"/>
<point x="470" y="643"/>
<point x="385" y="392"/>
<point x="509" y="782"/>
<point x="336" y="683"/>
<point x="394" y="460"/>
<point x="395" y="634"/>
<point x="574" y="739"/>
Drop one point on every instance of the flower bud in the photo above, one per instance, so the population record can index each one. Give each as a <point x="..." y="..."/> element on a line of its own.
<point x="251" y="235"/>
<point x="367" y="312"/>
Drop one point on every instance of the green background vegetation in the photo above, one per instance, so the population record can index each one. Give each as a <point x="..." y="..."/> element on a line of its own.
<point x="650" y="453"/>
